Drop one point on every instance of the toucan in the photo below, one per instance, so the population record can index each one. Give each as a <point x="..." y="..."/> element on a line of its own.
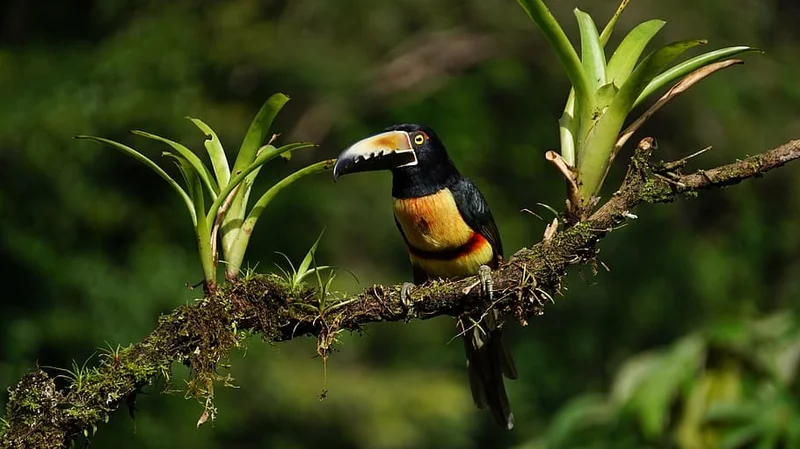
<point x="450" y="233"/>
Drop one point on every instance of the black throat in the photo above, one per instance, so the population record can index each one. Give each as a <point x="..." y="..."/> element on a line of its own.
<point x="417" y="181"/>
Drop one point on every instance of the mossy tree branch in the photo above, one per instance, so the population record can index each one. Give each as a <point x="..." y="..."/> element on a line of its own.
<point x="201" y="335"/>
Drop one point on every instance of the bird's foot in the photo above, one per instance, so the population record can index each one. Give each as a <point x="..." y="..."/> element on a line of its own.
<point x="485" y="274"/>
<point x="405" y="299"/>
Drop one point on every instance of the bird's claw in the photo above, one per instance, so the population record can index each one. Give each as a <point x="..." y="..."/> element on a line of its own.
<point x="405" y="299"/>
<point x="485" y="274"/>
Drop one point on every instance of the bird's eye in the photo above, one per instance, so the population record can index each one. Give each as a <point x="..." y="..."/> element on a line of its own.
<point x="419" y="139"/>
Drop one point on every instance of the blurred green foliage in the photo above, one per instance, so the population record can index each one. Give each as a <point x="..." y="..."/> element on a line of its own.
<point x="699" y="302"/>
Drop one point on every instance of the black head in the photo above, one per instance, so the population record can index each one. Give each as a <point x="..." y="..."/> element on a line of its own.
<point x="413" y="153"/>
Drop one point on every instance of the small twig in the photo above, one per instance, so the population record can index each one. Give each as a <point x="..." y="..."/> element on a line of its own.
<point x="475" y="323"/>
<point x="669" y="166"/>
<point x="568" y="172"/>
<point x="468" y="289"/>
<point x="667" y="179"/>
<point x="561" y="164"/>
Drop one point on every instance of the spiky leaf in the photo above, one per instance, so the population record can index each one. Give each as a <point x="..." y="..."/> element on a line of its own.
<point x="151" y="165"/>
<point x="593" y="58"/>
<point x="202" y="171"/>
<point x="239" y="246"/>
<point x="555" y="36"/>
<point x="238" y="177"/>
<point x="680" y="70"/>
<point x="629" y="51"/>
<point x="599" y="143"/>
<point x="608" y="30"/>
<point x="215" y="152"/>
<point x="248" y="153"/>
<point x="257" y="132"/>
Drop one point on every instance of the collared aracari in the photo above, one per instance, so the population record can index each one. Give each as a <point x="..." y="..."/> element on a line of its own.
<point x="450" y="233"/>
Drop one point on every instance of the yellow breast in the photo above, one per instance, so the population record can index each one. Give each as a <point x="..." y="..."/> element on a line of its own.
<point x="433" y="222"/>
<point x="465" y="263"/>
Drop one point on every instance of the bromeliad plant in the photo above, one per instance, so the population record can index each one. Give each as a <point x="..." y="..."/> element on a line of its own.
<point x="605" y="92"/>
<point x="226" y="220"/>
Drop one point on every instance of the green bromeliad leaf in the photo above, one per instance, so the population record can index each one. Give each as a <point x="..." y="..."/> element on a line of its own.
<point x="248" y="152"/>
<point x="592" y="57"/>
<point x="240" y="244"/>
<point x="215" y="152"/>
<point x="677" y="72"/>
<point x="608" y="30"/>
<point x="595" y="149"/>
<point x="630" y="50"/>
<point x="190" y="157"/>
<point x="262" y="159"/>
<point x="257" y="132"/>
<point x="555" y="36"/>
<point x="152" y="166"/>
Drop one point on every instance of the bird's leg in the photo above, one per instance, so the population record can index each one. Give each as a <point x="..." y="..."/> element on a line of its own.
<point x="408" y="304"/>
<point x="485" y="274"/>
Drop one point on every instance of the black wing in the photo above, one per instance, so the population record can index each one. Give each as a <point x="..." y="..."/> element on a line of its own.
<point x="475" y="211"/>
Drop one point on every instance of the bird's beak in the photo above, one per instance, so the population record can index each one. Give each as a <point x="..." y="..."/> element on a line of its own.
<point x="383" y="151"/>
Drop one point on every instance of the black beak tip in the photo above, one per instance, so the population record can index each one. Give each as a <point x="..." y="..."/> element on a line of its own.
<point x="339" y="168"/>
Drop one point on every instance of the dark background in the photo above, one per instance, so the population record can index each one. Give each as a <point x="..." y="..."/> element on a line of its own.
<point x="93" y="246"/>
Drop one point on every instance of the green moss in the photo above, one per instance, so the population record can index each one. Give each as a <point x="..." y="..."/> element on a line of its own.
<point x="690" y="194"/>
<point x="655" y="190"/>
<point x="33" y="402"/>
<point x="202" y="335"/>
<point x="198" y="336"/>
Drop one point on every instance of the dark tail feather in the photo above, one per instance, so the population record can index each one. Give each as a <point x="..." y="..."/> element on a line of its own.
<point x="488" y="359"/>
